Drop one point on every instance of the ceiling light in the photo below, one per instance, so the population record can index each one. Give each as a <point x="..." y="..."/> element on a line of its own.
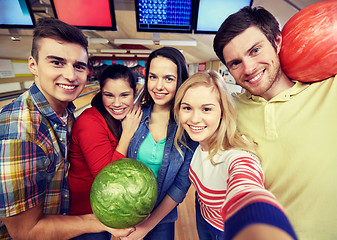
<point x="143" y="55"/>
<point x="98" y="41"/>
<point x="141" y="51"/>
<point x="134" y="41"/>
<point x="192" y="43"/>
<point x="160" y="42"/>
<point x="15" y="38"/>
<point x="101" y="55"/>
<point x="15" y="34"/>
<point x="124" y="55"/>
<point x="111" y="50"/>
<point x="92" y="50"/>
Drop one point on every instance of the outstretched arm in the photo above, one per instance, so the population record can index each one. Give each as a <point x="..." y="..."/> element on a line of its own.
<point x="251" y="211"/>
<point x="262" y="232"/>
<point x="33" y="224"/>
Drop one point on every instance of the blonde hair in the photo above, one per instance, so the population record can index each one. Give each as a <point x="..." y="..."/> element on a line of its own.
<point x="227" y="136"/>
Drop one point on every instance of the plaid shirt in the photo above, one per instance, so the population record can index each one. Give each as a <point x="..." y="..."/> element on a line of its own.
<point x="33" y="149"/>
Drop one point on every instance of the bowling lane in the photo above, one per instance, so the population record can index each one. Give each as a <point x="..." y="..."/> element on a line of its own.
<point x="83" y="101"/>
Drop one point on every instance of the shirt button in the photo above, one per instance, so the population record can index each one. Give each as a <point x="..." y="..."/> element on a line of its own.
<point x="64" y="125"/>
<point x="62" y="139"/>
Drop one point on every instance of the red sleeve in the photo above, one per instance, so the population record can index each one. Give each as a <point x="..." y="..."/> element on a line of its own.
<point x="95" y="141"/>
<point x="246" y="186"/>
<point x="248" y="201"/>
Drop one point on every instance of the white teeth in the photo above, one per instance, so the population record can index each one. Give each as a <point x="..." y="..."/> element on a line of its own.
<point x="196" y="128"/>
<point x="66" y="86"/>
<point x="118" y="110"/>
<point x="256" y="77"/>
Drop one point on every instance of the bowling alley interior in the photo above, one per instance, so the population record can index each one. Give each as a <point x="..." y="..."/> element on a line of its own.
<point x="126" y="32"/>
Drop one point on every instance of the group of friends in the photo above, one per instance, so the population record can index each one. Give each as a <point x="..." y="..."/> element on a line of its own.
<point x="262" y="161"/>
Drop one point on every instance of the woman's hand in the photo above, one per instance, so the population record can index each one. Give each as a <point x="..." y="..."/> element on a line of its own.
<point x="141" y="231"/>
<point x="115" y="232"/>
<point x="120" y="233"/>
<point x="129" y="124"/>
<point x="131" y="121"/>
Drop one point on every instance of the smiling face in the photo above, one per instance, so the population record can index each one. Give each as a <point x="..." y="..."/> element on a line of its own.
<point x="61" y="71"/>
<point x="200" y="113"/>
<point x="117" y="96"/>
<point x="254" y="63"/>
<point x="162" y="81"/>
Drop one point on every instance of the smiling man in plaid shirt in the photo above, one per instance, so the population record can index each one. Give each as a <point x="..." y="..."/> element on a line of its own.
<point x="34" y="137"/>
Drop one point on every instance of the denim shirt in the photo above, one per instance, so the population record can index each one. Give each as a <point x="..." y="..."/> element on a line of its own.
<point x="173" y="174"/>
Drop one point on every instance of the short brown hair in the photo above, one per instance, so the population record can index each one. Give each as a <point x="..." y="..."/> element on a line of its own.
<point x="53" y="28"/>
<point x="238" y="22"/>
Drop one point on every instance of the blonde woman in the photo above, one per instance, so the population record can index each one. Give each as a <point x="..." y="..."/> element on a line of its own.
<point x="231" y="201"/>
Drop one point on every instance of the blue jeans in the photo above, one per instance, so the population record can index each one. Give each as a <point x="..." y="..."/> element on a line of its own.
<point x="164" y="231"/>
<point x="94" y="236"/>
<point x="205" y="230"/>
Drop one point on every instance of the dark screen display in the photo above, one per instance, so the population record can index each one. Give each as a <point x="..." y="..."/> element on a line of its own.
<point x="164" y="16"/>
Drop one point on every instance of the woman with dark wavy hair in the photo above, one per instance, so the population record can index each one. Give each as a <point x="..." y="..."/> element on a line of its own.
<point x="96" y="139"/>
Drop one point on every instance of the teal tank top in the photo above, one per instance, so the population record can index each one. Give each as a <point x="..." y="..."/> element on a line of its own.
<point x="151" y="153"/>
